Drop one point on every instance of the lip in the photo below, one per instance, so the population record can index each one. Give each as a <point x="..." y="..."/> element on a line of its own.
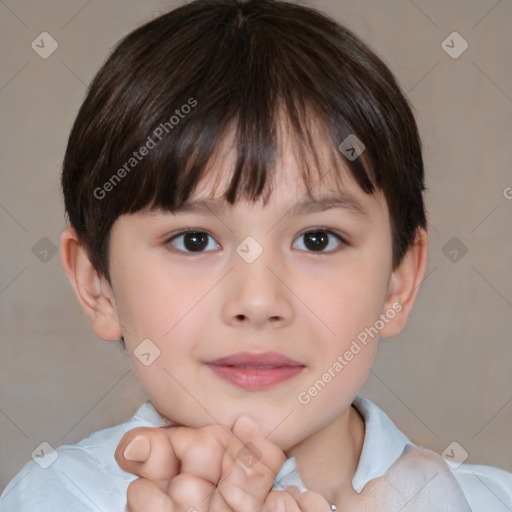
<point x="256" y="370"/>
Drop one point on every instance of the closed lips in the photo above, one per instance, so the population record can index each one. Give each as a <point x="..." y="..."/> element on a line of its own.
<point x="256" y="372"/>
<point x="265" y="360"/>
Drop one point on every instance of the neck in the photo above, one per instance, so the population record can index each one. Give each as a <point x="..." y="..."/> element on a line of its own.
<point x="327" y="460"/>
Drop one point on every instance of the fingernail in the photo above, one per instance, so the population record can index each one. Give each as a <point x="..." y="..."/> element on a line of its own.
<point x="138" y="449"/>
<point x="247" y="422"/>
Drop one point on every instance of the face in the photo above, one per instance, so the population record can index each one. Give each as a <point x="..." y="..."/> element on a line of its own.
<point x="269" y="311"/>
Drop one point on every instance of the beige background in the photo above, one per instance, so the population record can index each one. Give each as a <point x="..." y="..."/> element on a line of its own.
<point x="445" y="378"/>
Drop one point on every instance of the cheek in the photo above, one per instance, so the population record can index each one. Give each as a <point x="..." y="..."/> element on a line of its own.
<point x="155" y="299"/>
<point x="158" y="312"/>
<point x="350" y="305"/>
<point x="351" y="300"/>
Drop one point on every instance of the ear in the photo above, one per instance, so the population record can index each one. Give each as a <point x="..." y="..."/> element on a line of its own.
<point x="404" y="285"/>
<point x="92" y="290"/>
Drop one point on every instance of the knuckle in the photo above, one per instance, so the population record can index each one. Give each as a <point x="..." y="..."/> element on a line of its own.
<point x="188" y="490"/>
<point x="220" y="430"/>
<point x="141" y="493"/>
<point x="133" y="491"/>
<point x="217" y="433"/>
<point x="237" y="499"/>
<point x="279" y="501"/>
<point x="182" y="486"/>
<point x="209" y="437"/>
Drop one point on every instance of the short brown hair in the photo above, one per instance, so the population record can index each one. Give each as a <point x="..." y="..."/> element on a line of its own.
<point x="176" y="85"/>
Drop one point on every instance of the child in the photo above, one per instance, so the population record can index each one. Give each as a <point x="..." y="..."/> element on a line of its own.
<point x="244" y="188"/>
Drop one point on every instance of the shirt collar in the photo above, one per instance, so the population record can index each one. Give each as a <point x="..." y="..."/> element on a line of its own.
<point x="382" y="446"/>
<point x="383" y="443"/>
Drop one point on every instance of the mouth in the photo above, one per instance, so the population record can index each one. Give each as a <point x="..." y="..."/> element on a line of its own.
<point x="256" y="371"/>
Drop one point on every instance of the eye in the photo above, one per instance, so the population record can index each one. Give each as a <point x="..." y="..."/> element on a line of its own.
<point x="192" y="241"/>
<point x="316" y="240"/>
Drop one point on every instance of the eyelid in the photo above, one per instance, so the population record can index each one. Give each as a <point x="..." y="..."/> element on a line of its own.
<point x="341" y="238"/>
<point x="334" y="232"/>
<point x="187" y="230"/>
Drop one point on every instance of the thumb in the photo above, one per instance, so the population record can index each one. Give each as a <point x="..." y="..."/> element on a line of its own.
<point x="148" y="453"/>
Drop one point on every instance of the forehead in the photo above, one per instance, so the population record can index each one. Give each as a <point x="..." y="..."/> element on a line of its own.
<point x="300" y="179"/>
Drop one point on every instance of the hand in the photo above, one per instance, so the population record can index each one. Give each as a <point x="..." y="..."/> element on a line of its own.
<point x="238" y="485"/>
<point x="209" y="469"/>
<point x="292" y="500"/>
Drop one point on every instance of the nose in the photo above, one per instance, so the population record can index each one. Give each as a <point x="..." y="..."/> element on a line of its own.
<point x="257" y="294"/>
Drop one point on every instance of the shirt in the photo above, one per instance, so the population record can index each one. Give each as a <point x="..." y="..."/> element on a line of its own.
<point x="390" y="456"/>
<point x="85" y="477"/>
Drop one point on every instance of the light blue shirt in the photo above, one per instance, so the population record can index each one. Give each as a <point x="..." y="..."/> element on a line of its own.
<point x="85" y="477"/>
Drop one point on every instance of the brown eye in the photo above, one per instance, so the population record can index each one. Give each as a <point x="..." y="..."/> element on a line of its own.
<point x="192" y="241"/>
<point x="318" y="240"/>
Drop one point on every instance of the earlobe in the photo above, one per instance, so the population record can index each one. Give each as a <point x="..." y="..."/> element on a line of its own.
<point x="404" y="285"/>
<point x="93" y="292"/>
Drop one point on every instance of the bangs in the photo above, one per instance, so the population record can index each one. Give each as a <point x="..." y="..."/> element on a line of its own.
<point x="232" y="152"/>
<point x="255" y="75"/>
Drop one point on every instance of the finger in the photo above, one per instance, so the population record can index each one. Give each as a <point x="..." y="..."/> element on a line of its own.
<point x="309" y="501"/>
<point x="280" y="501"/>
<point x="144" y="496"/>
<point x="148" y="453"/>
<point x="256" y="448"/>
<point x="249" y="467"/>
<point x="190" y="493"/>
<point x="200" y="451"/>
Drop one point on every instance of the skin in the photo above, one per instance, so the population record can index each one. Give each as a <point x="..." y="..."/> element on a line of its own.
<point x="308" y="305"/>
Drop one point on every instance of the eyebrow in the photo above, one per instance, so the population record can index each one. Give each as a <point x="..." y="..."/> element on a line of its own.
<point x="303" y="207"/>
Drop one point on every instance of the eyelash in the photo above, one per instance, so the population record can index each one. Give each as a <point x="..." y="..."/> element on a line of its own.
<point x="342" y="241"/>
